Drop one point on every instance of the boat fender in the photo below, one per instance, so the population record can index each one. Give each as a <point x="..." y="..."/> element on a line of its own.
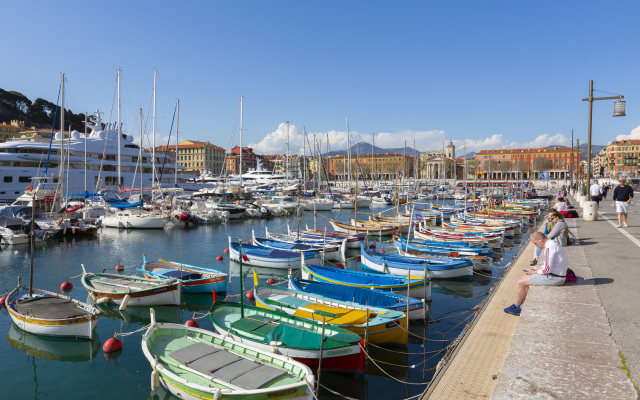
<point x="217" y="395"/>
<point x="29" y="188"/>
<point x="59" y="222"/>
<point x="94" y="298"/>
<point x="155" y="381"/>
<point x="125" y="301"/>
<point x="102" y="300"/>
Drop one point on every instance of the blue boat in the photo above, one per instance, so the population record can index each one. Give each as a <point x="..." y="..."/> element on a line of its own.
<point x="436" y="268"/>
<point x="445" y="249"/>
<point x="194" y="279"/>
<point x="331" y="251"/>
<point x="418" y="286"/>
<point x="362" y="297"/>
<point x="271" y="258"/>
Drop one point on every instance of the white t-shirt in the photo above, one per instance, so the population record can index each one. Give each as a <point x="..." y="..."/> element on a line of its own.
<point x="556" y="261"/>
<point x="561" y="206"/>
<point x="595" y="190"/>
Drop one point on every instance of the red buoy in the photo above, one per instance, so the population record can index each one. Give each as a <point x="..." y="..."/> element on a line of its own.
<point x="184" y="216"/>
<point x="226" y="250"/>
<point x="247" y="242"/>
<point x="192" y="323"/>
<point x="250" y="295"/>
<point x="111" y="345"/>
<point x="372" y="246"/>
<point x="2" y="300"/>
<point x="66" y="286"/>
<point x="340" y="265"/>
<point x="119" y="267"/>
<point x="271" y="281"/>
<point x="382" y="251"/>
<point x="219" y="258"/>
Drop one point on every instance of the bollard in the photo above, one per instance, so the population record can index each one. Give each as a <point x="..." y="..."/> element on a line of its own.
<point x="590" y="211"/>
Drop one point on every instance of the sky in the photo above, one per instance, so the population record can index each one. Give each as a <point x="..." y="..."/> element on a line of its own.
<point x="487" y="75"/>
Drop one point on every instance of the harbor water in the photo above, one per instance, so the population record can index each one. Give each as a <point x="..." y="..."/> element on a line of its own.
<point x="47" y="368"/>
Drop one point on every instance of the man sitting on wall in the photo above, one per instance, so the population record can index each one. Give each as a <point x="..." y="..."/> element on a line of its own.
<point x="552" y="273"/>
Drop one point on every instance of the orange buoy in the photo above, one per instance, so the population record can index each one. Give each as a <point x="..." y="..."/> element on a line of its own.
<point x="66" y="286"/>
<point x="271" y="281"/>
<point x="382" y="251"/>
<point x="226" y="250"/>
<point x="111" y="345"/>
<point x="250" y="295"/>
<point x="192" y="323"/>
<point x="219" y="258"/>
<point x="340" y="265"/>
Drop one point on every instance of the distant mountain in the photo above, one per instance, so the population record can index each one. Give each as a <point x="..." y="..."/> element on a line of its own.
<point x="364" y="149"/>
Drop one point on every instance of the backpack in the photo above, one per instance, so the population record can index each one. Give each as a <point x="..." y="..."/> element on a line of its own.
<point x="572" y="239"/>
<point x="571" y="276"/>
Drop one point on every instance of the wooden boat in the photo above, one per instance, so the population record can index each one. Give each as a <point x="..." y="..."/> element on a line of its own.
<point x="480" y="263"/>
<point x="376" y="325"/>
<point x="276" y="332"/>
<point x="270" y="258"/>
<point x="350" y="229"/>
<point x="436" y="248"/>
<point x="196" y="364"/>
<point x="128" y="290"/>
<point x="353" y="239"/>
<point x="51" y="314"/>
<point x="398" y="227"/>
<point x="193" y="279"/>
<point x="363" y="297"/>
<point x="437" y="268"/>
<point x="418" y="286"/>
<point x="330" y="251"/>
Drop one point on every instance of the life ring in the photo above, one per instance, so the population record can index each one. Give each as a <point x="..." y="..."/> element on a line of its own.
<point x="29" y="187"/>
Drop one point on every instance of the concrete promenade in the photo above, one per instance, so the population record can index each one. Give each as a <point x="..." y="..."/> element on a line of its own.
<point x="570" y="341"/>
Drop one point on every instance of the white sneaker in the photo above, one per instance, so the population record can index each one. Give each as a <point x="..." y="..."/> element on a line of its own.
<point x="624" y="224"/>
<point x="618" y="226"/>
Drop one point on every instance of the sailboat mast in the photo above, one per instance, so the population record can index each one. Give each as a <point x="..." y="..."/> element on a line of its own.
<point x="61" y="164"/>
<point x="153" y="146"/>
<point x="140" y="161"/>
<point x="348" y="153"/>
<point x="241" y="127"/>
<point x="85" y="151"/>
<point x="118" y="130"/>
<point x="287" y="160"/>
<point x="304" y="158"/>
<point x="175" y="167"/>
<point x="373" y="144"/>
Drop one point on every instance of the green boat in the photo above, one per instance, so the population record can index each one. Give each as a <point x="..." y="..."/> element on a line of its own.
<point x="196" y="364"/>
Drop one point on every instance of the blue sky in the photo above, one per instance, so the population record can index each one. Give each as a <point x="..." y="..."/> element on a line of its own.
<point x="494" y="74"/>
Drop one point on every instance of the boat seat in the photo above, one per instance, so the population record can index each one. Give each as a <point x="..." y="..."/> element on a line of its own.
<point x="251" y="325"/>
<point x="50" y="307"/>
<point x="184" y="275"/>
<point x="294" y="301"/>
<point x="213" y="362"/>
<point x="232" y="371"/>
<point x="189" y="354"/>
<point x="258" y="377"/>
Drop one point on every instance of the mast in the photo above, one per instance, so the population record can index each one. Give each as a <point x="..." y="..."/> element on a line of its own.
<point x="373" y="143"/>
<point x="287" y="160"/>
<point x="348" y="153"/>
<point x="241" y="104"/>
<point x="61" y="163"/>
<point x="153" y="146"/>
<point x="175" y="170"/>
<point x="140" y="161"/>
<point x="465" y="177"/>
<point x="85" y="151"/>
<point x="304" y="158"/>
<point x="118" y="130"/>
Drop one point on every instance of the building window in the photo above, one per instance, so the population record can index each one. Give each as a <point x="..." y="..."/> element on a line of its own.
<point x="24" y="179"/>
<point x="8" y="179"/>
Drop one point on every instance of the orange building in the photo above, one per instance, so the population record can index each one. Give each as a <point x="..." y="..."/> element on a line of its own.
<point x="526" y="163"/>
<point x="383" y="166"/>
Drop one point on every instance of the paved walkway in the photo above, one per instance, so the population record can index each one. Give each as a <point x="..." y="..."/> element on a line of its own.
<point x="569" y="350"/>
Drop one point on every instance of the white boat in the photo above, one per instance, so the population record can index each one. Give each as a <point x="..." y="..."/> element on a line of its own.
<point x="22" y="160"/>
<point x="134" y="220"/>
<point x="317" y="204"/>
<point x="51" y="314"/>
<point x="12" y="231"/>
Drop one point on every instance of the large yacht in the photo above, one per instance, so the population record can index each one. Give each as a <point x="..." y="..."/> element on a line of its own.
<point x="97" y="153"/>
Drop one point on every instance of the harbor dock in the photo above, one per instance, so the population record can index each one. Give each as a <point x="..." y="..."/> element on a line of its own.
<point x="577" y="341"/>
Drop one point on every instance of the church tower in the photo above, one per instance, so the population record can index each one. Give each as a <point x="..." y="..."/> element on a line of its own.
<point x="451" y="150"/>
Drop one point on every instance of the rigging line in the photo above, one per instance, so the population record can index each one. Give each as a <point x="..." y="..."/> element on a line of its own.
<point x="53" y="126"/>
<point x="164" y="159"/>
<point x="404" y="352"/>
<point x="385" y="372"/>
<point x="602" y="91"/>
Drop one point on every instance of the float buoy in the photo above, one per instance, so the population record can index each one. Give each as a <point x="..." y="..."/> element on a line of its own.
<point x="2" y="301"/>
<point x="382" y="251"/>
<point x="66" y="286"/>
<point x="219" y="258"/>
<point x="184" y="216"/>
<point x="119" y="267"/>
<point x="250" y="295"/>
<point x="192" y="323"/>
<point x="271" y="281"/>
<point x="111" y="345"/>
<point x="226" y="250"/>
<point x="372" y="246"/>
<point x="59" y="222"/>
<point x="340" y="265"/>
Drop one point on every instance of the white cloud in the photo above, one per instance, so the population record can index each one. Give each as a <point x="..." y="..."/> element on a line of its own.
<point x="276" y="141"/>
<point x="634" y="135"/>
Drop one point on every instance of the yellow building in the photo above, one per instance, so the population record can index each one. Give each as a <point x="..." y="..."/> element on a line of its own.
<point x="196" y="156"/>
<point x="7" y="131"/>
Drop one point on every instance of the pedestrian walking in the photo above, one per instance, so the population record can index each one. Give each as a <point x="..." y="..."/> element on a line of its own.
<point x="622" y="196"/>
<point x="596" y="191"/>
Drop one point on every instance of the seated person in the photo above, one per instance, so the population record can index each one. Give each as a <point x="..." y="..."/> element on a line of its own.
<point x="552" y="273"/>
<point x="561" y="205"/>
<point x="560" y="231"/>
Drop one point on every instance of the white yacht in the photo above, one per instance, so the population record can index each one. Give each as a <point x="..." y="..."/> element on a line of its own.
<point x="22" y="160"/>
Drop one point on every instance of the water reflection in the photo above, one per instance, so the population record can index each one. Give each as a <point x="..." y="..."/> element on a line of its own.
<point x="52" y="348"/>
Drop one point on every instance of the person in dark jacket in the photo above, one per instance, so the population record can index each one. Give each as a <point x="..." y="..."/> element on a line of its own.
<point x="622" y="196"/>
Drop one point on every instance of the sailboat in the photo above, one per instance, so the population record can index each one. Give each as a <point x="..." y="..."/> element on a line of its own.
<point x="47" y="313"/>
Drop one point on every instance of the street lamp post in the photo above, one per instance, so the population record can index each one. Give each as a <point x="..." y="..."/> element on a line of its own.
<point x="618" y="111"/>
